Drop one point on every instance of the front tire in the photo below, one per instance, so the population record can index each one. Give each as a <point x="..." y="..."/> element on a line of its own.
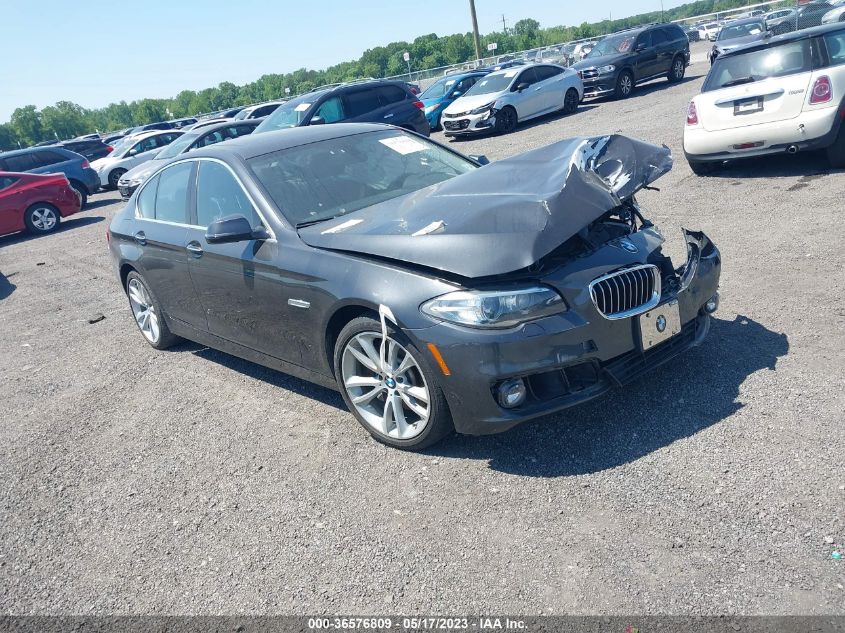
<point x="506" y="120"/>
<point x="624" y="85"/>
<point x="82" y="191"/>
<point x="400" y="405"/>
<point x="42" y="218"/>
<point x="114" y="176"/>
<point x="676" y="72"/>
<point x="570" y="101"/>
<point x="148" y="313"/>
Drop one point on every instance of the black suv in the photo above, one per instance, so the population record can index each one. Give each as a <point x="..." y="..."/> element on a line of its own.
<point x="92" y="149"/>
<point x="622" y="60"/>
<point x="371" y="101"/>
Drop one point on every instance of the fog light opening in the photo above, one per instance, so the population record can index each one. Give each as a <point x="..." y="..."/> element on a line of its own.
<point x="712" y="304"/>
<point x="511" y="393"/>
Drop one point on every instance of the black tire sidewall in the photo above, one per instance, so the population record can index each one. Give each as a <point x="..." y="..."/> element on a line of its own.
<point x="27" y="218"/>
<point x="619" y="93"/>
<point x="440" y="419"/>
<point x="500" y="129"/>
<point x="565" y="97"/>
<point x="165" y="338"/>
<point x="113" y="179"/>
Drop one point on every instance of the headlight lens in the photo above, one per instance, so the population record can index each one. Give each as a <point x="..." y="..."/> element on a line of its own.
<point x="432" y="108"/>
<point x="604" y="70"/>
<point x="482" y="109"/>
<point x="494" y="308"/>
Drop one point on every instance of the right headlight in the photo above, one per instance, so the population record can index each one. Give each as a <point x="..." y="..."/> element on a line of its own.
<point x="494" y="308"/>
<point x="482" y="109"/>
<point x="606" y="70"/>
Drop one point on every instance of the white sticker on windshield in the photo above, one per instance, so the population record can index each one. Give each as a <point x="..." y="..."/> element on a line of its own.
<point x="403" y="144"/>
<point x="302" y="107"/>
<point x="511" y="73"/>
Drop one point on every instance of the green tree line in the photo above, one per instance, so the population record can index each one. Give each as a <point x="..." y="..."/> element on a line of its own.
<point x="65" y="119"/>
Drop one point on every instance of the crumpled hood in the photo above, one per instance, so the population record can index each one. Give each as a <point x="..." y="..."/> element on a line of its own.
<point x="465" y="104"/>
<point x="504" y="216"/>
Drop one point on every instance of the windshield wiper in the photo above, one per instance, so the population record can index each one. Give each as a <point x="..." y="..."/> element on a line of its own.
<point x="300" y="225"/>
<point x="740" y="80"/>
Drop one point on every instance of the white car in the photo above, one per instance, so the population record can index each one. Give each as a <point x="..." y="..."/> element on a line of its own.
<point x="836" y="14"/>
<point x="710" y="31"/>
<point x="782" y="95"/>
<point x="499" y="101"/>
<point x="130" y="152"/>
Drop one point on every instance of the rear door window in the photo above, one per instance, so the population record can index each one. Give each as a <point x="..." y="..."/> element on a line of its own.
<point x="172" y="193"/>
<point x="390" y="94"/>
<point x="145" y="207"/>
<point x="659" y="37"/>
<point x="361" y="102"/>
<point x="789" y="58"/>
<point x="21" y="162"/>
<point x="45" y="158"/>
<point x="835" y="47"/>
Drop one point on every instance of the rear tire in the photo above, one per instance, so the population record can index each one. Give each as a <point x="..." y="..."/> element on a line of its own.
<point x="676" y="72"/>
<point x="355" y="369"/>
<point x="506" y="120"/>
<point x="701" y="168"/>
<point x="148" y="313"/>
<point x="624" y="85"/>
<point x="42" y="218"/>
<point x="82" y="191"/>
<point x="570" y="101"/>
<point x="836" y="152"/>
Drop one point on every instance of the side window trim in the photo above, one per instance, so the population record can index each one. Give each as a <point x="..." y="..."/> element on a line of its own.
<point x="249" y="196"/>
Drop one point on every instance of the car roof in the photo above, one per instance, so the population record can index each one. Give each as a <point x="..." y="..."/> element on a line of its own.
<point x="753" y="20"/>
<point x="794" y="36"/>
<point x="28" y="150"/>
<point x="222" y="125"/>
<point x="253" y="145"/>
<point x="140" y="136"/>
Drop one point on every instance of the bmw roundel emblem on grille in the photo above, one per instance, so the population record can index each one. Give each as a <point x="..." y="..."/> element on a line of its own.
<point x="628" y="245"/>
<point x="661" y="323"/>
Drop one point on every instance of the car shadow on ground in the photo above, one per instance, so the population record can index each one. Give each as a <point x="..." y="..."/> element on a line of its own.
<point x="259" y="372"/>
<point x="66" y="225"/>
<point x="690" y="393"/>
<point x="643" y="90"/>
<point x="6" y="286"/>
<point x="102" y="202"/>
<point x="809" y="165"/>
<point x="541" y="120"/>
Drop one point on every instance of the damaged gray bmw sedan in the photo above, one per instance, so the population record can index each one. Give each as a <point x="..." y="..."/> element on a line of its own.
<point x="435" y="293"/>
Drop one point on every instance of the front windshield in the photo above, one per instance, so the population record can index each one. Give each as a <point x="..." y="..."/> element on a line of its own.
<point x="788" y="58"/>
<point x="178" y="146"/>
<point x="733" y="31"/>
<point x="289" y="114"/>
<point x="323" y="180"/>
<point x="121" y="145"/>
<point x="497" y="82"/>
<point x="613" y="45"/>
<point x="439" y="89"/>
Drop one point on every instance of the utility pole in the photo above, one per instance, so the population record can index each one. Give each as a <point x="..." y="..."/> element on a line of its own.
<point x="475" y="29"/>
<point x="504" y="25"/>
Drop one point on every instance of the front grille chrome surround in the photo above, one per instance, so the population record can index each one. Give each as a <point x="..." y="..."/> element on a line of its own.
<point x="627" y="292"/>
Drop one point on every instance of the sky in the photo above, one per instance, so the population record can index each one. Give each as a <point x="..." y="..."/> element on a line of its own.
<point x="94" y="53"/>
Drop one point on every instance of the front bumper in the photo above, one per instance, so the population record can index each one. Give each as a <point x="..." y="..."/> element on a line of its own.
<point x="126" y="190"/>
<point x="564" y="359"/>
<point x="599" y="85"/>
<point x="468" y="124"/>
<point x="811" y="130"/>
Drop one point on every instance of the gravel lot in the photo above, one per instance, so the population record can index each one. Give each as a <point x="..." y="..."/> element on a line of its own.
<point x="188" y="481"/>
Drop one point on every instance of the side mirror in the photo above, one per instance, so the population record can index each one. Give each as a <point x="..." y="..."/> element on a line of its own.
<point x="481" y="159"/>
<point x="522" y="86"/>
<point x="132" y="152"/>
<point x="317" y="120"/>
<point x="456" y="94"/>
<point x="233" y="228"/>
<point x="640" y="48"/>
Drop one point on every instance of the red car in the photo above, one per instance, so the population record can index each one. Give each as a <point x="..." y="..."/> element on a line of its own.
<point x="35" y="202"/>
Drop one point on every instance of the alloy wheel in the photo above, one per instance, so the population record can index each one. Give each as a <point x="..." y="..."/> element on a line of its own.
<point x="678" y="68"/>
<point x="143" y="310"/>
<point x="625" y="84"/>
<point x="570" y="103"/>
<point x="44" y="218"/>
<point x="390" y="394"/>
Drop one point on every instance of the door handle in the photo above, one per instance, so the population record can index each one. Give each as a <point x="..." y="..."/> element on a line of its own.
<point x="195" y="249"/>
<point x="387" y="116"/>
<point x="140" y="237"/>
